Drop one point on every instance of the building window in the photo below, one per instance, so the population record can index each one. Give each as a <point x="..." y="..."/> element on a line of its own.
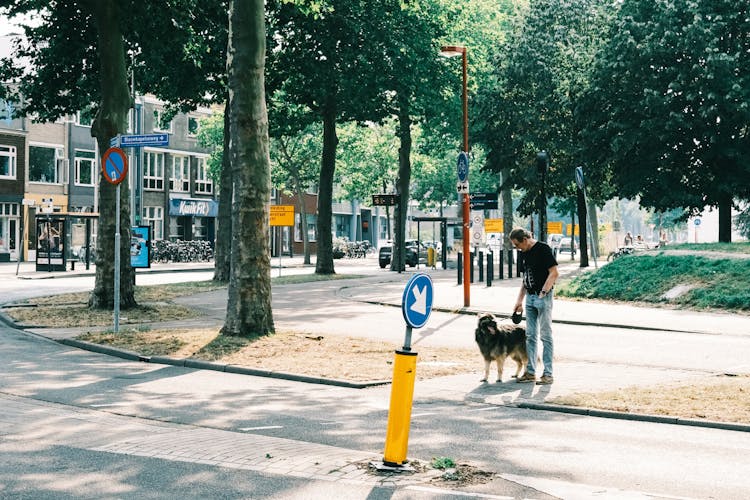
<point x="46" y="164"/>
<point x="311" y="227"/>
<point x="343" y="225"/>
<point x="8" y="161"/>
<point x="194" y="126"/>
<point x="180" y="178"/>
<point x="85" y="117"/>
<point x="161" y="123"/>
<point x="85" y="163"/>
<point x="153" y="171"/>
<point x="154" y="217"/>
<point x="203" y="183"/>
<point x="383" y="226"/>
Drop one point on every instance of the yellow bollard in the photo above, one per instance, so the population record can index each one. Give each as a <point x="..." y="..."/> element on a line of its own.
<point x="431" y="257"/>
<point x="399" y="415"/>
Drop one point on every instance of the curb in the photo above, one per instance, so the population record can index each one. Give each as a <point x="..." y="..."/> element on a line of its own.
<point x="207" y="365"/>
<point x="473" y="312"/>
<point x="640" y="417"/>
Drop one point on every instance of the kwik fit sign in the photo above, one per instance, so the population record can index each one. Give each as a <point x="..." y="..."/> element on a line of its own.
<point x="193" y="207"/>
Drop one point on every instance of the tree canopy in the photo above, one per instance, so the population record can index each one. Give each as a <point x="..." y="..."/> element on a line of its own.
<point x="669" y="105"/>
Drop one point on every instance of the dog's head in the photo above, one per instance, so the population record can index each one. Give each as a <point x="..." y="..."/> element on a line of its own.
<point x="486" y="324"/>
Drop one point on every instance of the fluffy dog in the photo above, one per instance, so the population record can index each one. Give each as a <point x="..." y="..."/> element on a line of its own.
<point x="498" y="342"/>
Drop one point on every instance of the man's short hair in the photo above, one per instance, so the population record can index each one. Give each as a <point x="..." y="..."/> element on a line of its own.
<point x="519" y="234"/>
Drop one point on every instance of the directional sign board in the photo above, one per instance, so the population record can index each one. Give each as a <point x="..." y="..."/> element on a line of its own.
<point x="384" y="200"/>
<point x="139" y="141"/>
<point x="416" y="303"/>
<point x="114" y="165"/>
<point x="482" y="201"/>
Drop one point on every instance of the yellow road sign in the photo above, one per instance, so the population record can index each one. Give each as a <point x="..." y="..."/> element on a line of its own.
<point x="554" y="227"/>
<point x="493" y="225"/>
<point x="282" y="215"/>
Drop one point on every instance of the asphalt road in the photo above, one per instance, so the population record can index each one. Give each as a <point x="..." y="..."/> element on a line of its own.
<point x="96" y="401"/>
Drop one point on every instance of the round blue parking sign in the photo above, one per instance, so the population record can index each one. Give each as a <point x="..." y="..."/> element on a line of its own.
<point x="416" y="303"/>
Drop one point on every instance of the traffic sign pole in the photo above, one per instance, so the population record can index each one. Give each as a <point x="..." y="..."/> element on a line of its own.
<point x="416" y="305"/>
<point x="117" y="261"/>
<point x="115" y="170"/>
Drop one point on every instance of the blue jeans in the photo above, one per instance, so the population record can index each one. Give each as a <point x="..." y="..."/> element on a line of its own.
<point x="539" y="324"/>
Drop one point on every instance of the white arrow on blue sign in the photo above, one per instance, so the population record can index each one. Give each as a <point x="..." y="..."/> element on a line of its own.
<point x="416" y="303"/>
<point x="137" y="141"/>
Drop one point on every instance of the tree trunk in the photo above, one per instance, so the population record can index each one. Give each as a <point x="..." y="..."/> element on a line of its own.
<point x="582" y="230"/>
<point x="222" y="254"/>
<point x="507" y="195"/>
<point x="324" y="263"/>
<point x="249" y="302"/>
<point x="303" y="220"/>
<point x="398" y="256"/>
<point x="111" y="119"/>
<point x="725" y="218"/>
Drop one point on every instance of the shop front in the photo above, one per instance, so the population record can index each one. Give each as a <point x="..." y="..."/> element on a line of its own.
<point x="193" y="219"/>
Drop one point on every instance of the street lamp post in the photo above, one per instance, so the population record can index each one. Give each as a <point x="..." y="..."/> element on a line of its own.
<point x="452" y="51"/>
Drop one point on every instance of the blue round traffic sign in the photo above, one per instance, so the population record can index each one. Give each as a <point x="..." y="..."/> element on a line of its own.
<point x="697" y="221"/>
<point x="114" y="165"/>
<point x="463" y="166"/>
<point x="416" y="303"/>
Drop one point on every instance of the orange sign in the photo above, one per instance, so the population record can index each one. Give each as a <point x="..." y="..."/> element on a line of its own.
<point x="493" y="225"/>
<point x="554" y="227"/>
<point x="282" y="215"/>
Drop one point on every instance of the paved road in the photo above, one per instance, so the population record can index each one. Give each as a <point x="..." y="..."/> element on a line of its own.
<point x="131" y="428"/>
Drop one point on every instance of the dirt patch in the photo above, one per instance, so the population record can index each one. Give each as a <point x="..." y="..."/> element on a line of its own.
<point x="343" y="358"/>
<point x="438" y="473"/>
<point x="722" y="398"/>
<point x="67" y="315"/>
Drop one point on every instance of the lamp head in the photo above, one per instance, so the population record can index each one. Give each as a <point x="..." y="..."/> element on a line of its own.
<point x="452" y="50"/>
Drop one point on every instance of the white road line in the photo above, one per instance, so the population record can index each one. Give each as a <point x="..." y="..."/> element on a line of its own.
<point x="261" y="428"/>
<point x="424" y="414"/>
<point x="427" y="489"/>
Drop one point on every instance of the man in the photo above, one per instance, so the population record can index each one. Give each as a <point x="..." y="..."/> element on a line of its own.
<point x="539" y="276"/>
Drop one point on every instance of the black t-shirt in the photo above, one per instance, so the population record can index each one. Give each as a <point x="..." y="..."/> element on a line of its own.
<point x="536" y="264"/>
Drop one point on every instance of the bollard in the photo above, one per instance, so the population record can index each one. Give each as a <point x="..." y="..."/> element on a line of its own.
<point x="510" y="264"/>
<point x="490" y="264"/>
<point x="480" y="263"/>
<point x="500" y="264"/>
<point x="460" y="268"/>
<point x="519" y="265"/>
<point x="471" y="267"/>
<point x="399" y="415"/>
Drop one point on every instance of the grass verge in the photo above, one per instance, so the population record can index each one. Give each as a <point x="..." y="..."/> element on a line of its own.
<point x="721" y="283"/>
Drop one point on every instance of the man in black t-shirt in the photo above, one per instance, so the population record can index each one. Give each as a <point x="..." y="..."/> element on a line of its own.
<point x="539" y="276"/>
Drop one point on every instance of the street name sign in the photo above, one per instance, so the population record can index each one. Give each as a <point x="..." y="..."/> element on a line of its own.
<point x="139" y="141"/>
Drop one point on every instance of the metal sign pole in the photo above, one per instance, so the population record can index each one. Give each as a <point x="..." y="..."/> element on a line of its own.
<point x="117" y="262"/>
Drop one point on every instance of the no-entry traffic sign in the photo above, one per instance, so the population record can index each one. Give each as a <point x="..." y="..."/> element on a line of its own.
<point x="115" y="165"/>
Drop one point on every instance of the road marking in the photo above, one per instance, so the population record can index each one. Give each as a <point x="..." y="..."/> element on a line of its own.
<point x="423" y="414"/>
<point x="104" y="405"/>
<point x="427" y="489"/>
<point x="484" y="409"/>
<point x="266" y="427"/>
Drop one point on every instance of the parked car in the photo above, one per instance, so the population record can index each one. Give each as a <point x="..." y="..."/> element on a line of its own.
<point x="553" y="240"/>
<point x="415" y="252"/>
<point x="567" y="245"/>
